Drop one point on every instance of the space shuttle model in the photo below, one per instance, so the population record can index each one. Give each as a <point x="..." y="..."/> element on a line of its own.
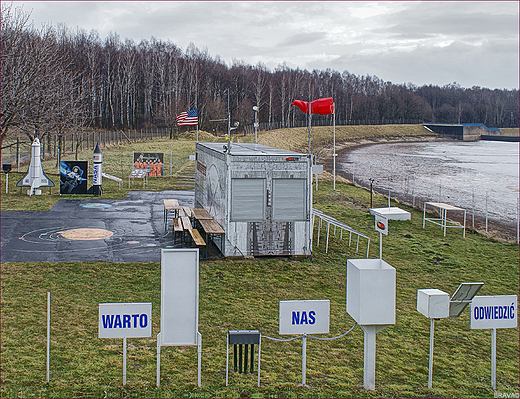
<point x="35" y="177"/>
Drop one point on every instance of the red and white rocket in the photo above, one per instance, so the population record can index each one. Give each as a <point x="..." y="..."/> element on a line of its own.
<point x="35" y="177"/>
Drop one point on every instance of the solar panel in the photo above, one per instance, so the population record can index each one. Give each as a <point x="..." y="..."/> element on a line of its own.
<point x="462" y="297"/>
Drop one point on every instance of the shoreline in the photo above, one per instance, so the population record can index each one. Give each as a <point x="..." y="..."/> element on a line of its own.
<point x="500" y="230"/>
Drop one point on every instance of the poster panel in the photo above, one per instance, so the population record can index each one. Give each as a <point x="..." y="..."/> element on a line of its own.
<point x="179" y="296"/>
<point x="151" y="161"/>
<point x="73" y="177"/>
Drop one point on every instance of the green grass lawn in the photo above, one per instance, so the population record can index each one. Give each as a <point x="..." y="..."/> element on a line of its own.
<point x="245" y="294"/>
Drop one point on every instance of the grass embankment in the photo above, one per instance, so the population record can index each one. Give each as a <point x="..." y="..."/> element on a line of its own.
<point x="244" y="294"/>
<point x="118" y="160"/>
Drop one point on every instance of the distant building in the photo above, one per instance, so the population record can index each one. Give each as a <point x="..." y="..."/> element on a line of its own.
<point x="464" y="131"/>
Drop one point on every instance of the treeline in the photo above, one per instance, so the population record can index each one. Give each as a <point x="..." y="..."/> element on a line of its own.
<point x="55" y="80"/>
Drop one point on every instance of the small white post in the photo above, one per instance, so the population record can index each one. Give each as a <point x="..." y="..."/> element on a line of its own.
<point x="124" y="361"/>
<point x="7" y="183"/>
<point x="227" y="357"/>
<point x="369" y="360"/>
<point x="199" y="353"/>
<point x="48" y="333"/>
<point x="304" y="359"/>
<point x="259" y="351"/>
<point x="380" y="245"/>
<point x="430" y="363"/>
<point x="494" y="358"/>
<point x="327" y="245"/>
<point x="158" y="360"/>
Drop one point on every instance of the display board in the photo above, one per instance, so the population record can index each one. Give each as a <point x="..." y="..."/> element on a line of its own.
<point x="179" y="296"/>
<point x="152" y="161"/>
<point x="73" y="177"/>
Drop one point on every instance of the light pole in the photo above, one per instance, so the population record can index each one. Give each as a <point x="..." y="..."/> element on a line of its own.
<point x="255" y="108"/>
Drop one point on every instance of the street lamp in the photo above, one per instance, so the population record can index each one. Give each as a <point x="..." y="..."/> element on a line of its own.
<point x="255" y="108"/>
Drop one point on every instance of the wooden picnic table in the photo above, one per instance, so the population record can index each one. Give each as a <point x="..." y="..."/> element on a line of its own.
<point x="170" y="205"/>
<point x="211" y="226"/>
<point x="211" y="229"/>
<point x="201" y="214"/>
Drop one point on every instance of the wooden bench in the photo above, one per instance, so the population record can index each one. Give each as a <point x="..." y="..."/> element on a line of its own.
<point x="177" y="228"/>
<point x="197" y="238"/>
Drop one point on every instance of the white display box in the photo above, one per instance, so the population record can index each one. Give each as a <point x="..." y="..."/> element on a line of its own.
<point x="371" y="291"/>
<point x="433" y="303"/>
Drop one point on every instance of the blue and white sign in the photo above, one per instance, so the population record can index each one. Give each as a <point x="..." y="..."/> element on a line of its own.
<point x="489" y="312"/>
<point x="125" y="320"/>
<point x="304" y="317"/>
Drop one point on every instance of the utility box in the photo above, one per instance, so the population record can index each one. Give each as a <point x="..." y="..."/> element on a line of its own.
<point x="371" y="291"/>
<point x="433" y="303"/>
<point x="261" y="196"/>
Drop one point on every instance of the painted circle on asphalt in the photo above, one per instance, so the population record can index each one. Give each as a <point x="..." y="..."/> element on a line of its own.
<point x="86" y="234"/>
<point x="95" y="205"/>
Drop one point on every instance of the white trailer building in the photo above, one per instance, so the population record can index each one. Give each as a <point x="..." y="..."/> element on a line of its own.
<point x="261" y="196"/>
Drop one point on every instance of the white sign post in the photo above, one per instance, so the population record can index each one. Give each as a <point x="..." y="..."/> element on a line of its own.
<point x="304" y="317"/>
<point x="179" y="303"/>
<point x="125" y="320"/>
<point x="382" y="216"/>
<point x="371" y="303"/>
<point x="492" y="312"/>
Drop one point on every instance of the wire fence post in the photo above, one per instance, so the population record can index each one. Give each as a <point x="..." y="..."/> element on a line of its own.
<point x="413" y="192"/>
<point x="517" y="220"/>
<point x="486" y="213"/>
<point x="473" y="209"/>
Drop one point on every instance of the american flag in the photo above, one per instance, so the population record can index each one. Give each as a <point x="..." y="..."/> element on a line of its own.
<point x="188" y="118"/>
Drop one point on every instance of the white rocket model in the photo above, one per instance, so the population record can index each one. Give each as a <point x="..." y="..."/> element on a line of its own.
<point x="35" y="177"/>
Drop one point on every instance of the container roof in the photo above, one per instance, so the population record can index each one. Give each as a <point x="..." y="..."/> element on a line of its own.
<point x="250" y="149"/>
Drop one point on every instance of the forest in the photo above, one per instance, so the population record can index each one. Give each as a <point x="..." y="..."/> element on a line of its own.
<point x="56" y="80"/>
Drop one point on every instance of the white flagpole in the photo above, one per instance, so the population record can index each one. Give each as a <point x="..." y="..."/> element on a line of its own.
<point x="334" y="146"/>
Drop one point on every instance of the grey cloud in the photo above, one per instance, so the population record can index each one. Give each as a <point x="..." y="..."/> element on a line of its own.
<point x="302" y="39"/>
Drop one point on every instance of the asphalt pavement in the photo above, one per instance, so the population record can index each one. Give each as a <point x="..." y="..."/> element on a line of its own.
<point x="93" y="229"/>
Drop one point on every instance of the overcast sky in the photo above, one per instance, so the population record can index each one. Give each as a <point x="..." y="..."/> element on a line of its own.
<point x="473" y="43"/>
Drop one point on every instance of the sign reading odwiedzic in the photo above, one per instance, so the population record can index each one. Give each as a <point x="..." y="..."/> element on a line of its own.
<point x="489" y="312"/>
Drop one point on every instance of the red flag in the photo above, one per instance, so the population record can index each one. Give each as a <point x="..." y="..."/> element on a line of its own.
<point x="323" y="106"/>
<point x="303" y="105"/>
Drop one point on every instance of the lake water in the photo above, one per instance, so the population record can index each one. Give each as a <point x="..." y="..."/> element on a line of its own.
<point x="464" y="174"/>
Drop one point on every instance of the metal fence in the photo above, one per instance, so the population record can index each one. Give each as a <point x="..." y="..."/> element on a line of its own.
<point x="486" y="211"/>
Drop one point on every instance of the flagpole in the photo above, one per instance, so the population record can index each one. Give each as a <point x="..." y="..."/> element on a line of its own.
<point x="334" y="146"/>
<point x="309" y="126"/>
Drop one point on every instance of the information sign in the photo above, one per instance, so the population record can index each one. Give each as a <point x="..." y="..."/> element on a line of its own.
<point x="489" y="312"/>
<point x="304" y="317"/>
<point x="125" y="320"/>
